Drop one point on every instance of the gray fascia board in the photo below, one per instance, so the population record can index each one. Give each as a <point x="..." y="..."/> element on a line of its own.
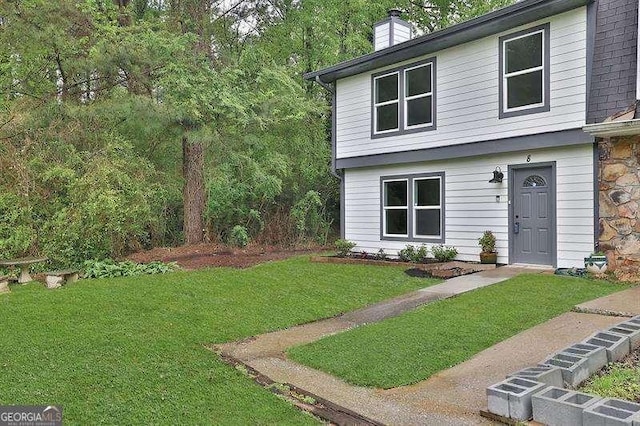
<point x="520" y="13"/>
<point x="497" y="146"/>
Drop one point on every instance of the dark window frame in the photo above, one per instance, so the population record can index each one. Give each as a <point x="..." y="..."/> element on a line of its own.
<point x="503" y="111"/>
<point x="411" y="178"/>
<point x="402" y="127"/>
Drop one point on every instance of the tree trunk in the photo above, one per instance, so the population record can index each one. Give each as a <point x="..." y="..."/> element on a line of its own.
<point x="194" y="196"/>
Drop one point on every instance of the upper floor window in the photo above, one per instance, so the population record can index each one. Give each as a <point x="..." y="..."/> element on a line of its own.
<point x="404" y="99"/>
<point x="524" y="72"/>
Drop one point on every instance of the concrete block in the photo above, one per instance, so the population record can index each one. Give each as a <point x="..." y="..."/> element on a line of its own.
<point x="547" y="374"/>
<point x="631" y="331"/>
<point x="634" y="320"/>
<point x="555" y="406"/>
<point x="512" y="397"/>
<point x="616" y="345"/>
<point x="575" y="369"/>
<point x="4" y="286"/>
<point x="611" y="412"/>
<point x="54" y="282"/>
<point x="597" y="355"/>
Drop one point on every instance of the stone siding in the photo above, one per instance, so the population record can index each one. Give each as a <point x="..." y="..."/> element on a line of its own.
<point x="619" y="199"/>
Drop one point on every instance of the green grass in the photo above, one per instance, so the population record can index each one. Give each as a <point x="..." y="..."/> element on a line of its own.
<point x="131" y="350"/>
<point x="619" y="380"/>
<point x="418" y="344"/>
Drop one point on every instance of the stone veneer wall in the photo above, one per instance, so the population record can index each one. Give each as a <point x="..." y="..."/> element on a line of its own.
<point x="619" y="199"/>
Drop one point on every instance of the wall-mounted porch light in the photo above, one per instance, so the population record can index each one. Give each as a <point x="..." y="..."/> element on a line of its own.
<point x="497" y="176"/>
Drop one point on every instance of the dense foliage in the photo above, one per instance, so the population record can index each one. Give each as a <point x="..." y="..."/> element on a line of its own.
<point x="100" y="101"/>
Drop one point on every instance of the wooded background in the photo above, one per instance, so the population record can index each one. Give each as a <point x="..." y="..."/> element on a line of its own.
<point x="131" y="124"/>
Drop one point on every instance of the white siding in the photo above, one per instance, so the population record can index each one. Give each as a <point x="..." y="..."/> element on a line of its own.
<point x="467" y="95"/>
<point x="381" y="36"/>
<point x="470" y="202"/>
<point x="401" y="33"/>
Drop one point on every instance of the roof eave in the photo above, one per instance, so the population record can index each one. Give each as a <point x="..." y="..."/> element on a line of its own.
<point x="486" y="25"/>
<point x="613" y="128"/>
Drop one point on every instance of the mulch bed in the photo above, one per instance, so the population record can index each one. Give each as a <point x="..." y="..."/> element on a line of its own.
<point x="216" y="255"/>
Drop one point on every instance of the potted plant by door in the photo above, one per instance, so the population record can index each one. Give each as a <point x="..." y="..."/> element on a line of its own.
<point x="488" y="244"/>
<point x="596" y="263"/>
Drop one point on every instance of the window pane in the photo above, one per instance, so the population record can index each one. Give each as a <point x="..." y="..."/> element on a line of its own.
<point x="418" y="80"/>
<point x="525" y="89"/>
<point x="428" y="222"/>
<point x="524" y="53"/>
<point x="419" y="111"/>
<point x="395" y="193"/>
<point x="387" y="117"/>
<point x="427" y="192"/>
<point x="387" y="88"/>
<point x="396" y="221"/>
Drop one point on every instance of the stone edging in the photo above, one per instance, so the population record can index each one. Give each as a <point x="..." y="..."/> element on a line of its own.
<point x="423" y="266"/>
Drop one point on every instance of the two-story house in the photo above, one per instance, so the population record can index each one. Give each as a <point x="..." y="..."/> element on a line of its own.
<point x="480" y="127"/>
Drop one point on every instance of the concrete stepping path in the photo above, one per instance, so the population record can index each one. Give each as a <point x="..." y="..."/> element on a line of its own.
<point x="451" y="397"/>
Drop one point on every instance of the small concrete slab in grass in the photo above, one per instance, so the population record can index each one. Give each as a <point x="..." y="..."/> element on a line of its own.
<point x="512" y="397"/>
<point x="632" y="331"/>
<point x="575" y="369"/>
<point x="560" y="407"/>
<point x="597" y="355"/>
<point x="547" y="374"/>
<point x="612" y="412"/>
<point x="616" y="345"/>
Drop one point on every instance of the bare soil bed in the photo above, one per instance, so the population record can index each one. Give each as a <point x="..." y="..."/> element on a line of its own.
<point x="215" y="255"/>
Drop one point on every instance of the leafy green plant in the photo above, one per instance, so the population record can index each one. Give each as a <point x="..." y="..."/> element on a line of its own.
<point x="487" y="242"/>
<point x="239" y="236"/>
<point x="412" y="254"/>
<point x="110" y="268"/>
<point x="344" y="247"/>
<point x="444" y="253"/>
<point x="381" y="255"/>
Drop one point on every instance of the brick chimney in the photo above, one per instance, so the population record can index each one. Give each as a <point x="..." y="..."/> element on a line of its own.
<point x="391" y="31"/>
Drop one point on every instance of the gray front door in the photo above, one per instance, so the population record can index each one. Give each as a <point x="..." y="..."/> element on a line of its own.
<point x="532" y="224"/>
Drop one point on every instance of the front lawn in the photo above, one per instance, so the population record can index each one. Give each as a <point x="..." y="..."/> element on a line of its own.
<point x="414" y="346"/>
<point x="131" y="350"/>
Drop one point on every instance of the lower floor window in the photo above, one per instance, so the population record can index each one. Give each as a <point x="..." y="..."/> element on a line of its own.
<point x="412" y="207"/>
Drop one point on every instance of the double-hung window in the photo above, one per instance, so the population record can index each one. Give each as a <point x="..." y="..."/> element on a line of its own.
<point x="404" y="99"/>
<point x="524" y="72"/>
<point x="413" y="207"/>
<point x="387" y="102"/>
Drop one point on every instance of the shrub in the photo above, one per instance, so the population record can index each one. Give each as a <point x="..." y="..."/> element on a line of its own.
<point x="109" y="268"/>
<point x="412" y="254"/>
<point x="444" y="253"/>
<point x="487" y="242"/>
<point x="239" y="236"/>
<point x="381" y="255"/>
<point x="344" y="247"/>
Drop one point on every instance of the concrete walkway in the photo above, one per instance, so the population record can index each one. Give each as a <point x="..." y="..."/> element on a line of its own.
<point x="451" y="397"/>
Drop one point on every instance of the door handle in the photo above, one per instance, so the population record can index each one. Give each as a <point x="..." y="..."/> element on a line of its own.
<point x="516" y="227"/>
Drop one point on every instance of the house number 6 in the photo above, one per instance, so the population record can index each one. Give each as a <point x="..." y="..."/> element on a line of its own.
<point x="528" y="158"/>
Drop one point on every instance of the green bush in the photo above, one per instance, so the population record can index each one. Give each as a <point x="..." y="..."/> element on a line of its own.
<point x="109" y="268"/>
<point x="239" y="236"/>
<point x="381" y="255"/>
<point x="412" y="254"/>
<point x="444" y="253"/>
<point x="344" y="247"/>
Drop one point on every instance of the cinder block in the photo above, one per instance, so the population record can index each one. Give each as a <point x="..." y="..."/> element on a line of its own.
<point x="512" y="397"/>
<point x="634" y="320"/>
<point x="632" y="331"/>
<point x="596" y="355"/>
<point x="611" y="412"/>
<point x="547" y="374"/>
<point x="616" y="345"/>
<point x="575" y="369"/>
<point x="561" y="407"/>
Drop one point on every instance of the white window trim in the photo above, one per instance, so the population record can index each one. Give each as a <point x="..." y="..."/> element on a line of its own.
<point x="416" y="207"/>
<point x="385" y="208"/>
<point x="422" y="95"/>
<point x="505" y="76"/>
<point x="376" y="104"/>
